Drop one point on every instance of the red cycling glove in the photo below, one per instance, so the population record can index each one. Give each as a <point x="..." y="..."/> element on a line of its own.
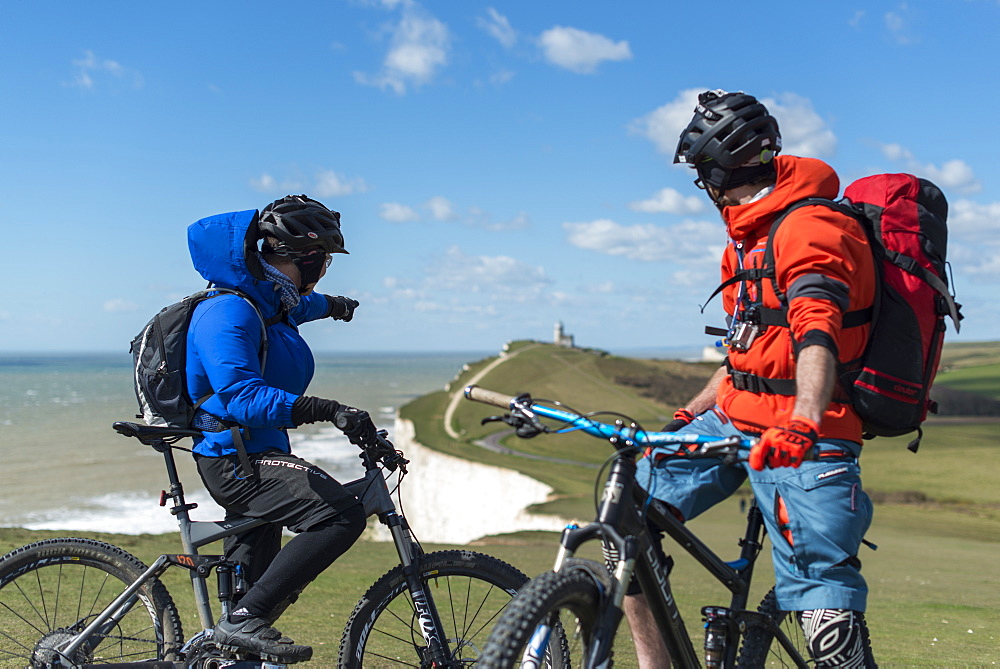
<point x="785" y="446"/>
<point x="681" y="418"/>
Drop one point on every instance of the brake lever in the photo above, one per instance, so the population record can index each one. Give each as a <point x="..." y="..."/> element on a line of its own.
<point x="525" y="426"/>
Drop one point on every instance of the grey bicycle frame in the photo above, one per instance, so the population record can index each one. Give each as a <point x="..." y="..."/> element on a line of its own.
<point x="371" y="490"/>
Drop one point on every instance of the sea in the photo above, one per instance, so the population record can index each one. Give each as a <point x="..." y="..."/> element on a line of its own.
<point x="63" y="467"/>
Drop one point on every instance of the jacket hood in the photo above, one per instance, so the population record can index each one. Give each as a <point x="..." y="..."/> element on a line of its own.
<point x="222" y="249"/>
<point x="797" y="179"/>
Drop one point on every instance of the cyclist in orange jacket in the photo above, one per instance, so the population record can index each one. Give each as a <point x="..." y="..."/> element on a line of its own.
<point x="794" y="319"/>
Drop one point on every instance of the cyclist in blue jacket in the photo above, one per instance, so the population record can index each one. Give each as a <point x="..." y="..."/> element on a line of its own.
<point x="275" y="257"/>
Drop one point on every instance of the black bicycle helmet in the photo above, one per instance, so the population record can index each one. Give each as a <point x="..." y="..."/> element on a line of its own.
<point x="299" y="223"/>
<point x="730" y="141"/>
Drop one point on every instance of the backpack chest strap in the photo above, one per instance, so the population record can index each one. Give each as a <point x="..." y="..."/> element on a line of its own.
<point x="763" y="385"/>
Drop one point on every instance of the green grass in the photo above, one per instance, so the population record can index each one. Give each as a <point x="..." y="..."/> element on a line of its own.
<point x="934" y="581"/>
<point x="984" y="379"/>
<point x="970" y="354"/>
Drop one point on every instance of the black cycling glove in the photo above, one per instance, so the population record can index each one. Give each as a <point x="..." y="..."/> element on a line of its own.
<point x="356" y="424"/>
<point x="341" y="308"/>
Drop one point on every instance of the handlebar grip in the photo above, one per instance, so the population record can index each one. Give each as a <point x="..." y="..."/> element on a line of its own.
<point x="477" y="394"/>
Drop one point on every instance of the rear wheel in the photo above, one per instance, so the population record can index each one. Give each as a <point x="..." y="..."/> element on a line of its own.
<point x="51" y="590"/>
<point x="467" y="590"/>
<point x="552" y="622"/>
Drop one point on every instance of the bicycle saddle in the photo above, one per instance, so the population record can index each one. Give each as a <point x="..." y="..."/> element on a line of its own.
<point x="151" y="434"/>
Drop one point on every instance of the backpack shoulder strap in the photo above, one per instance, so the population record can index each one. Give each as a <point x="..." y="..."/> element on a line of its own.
<point x="234" y="429"/>
<point x="779" y="316"/>
<point x="766" y="271"/>
<point x="264" y="323"/>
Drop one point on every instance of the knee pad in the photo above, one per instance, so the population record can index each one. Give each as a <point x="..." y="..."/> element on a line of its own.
<point x="834" y="637"/>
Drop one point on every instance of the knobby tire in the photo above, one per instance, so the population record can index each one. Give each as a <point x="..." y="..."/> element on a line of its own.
<point x="469" y="591"/>
<point x="565" y="604"/>
<point x="51" y="589"/>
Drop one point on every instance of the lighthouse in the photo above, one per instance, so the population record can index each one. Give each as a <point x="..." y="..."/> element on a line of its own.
<point x="560" y="338"/>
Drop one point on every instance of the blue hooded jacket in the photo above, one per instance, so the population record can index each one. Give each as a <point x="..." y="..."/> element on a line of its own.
<point x="225" y="337"/>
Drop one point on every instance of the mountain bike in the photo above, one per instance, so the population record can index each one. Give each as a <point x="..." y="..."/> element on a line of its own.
<point x="572" y="613"/>
<point x="73" y="602"/>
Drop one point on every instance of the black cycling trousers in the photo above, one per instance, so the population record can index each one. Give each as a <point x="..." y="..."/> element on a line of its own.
<point x="288" y="492"/>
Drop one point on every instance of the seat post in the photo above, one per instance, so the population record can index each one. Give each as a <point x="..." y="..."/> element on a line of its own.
<point x="180" y="509"/>
<point x="176" y="493"/>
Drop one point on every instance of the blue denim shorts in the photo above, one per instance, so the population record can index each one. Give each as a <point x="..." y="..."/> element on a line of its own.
<point x="827" y="513"/>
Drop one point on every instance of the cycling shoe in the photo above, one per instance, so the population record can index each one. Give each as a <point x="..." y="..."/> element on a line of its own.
<point x="255" y="635"/>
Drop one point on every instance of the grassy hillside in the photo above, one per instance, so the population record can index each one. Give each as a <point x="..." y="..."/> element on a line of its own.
<point x="972" y="367"/>
<point x="933" y="580"/>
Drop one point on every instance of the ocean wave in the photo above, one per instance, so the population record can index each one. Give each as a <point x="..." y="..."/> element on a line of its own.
<point x="446" y="499"/>
<point x="121" y="513"/>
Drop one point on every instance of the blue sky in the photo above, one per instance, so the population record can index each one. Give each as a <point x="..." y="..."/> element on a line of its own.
<point x="498" y="166"/>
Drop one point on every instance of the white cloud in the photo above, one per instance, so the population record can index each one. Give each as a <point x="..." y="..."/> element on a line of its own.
<point x="91" y="66"/>
<point x="501" y="77"/>
<point x="898" y="22"/>
<point x="954" y="174"/>
<point x="663" y="126"/>
<point x="490" y="275"/>
<point x="327" y="183"/>
<point x="398" y="213"/>
<point x="331" y="184"/>
<point x="266" y="183"/>
<point x="970" y="219"/>
<point x="478" y="218"/>
<point x="580" y="51"/>
<point x="974" y="246"/>
<point x="603" y="288"/>
<point x="803" y="131"/>
<point x="441" y="208"/>
<point x="419" y="47"/>
<point x="497" y="25"/>
<point x="669" y="201"/>
<point x="119" y="305"/>
<point x="691" y="241"/>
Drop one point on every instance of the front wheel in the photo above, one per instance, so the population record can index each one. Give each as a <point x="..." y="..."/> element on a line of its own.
<point x="760" y="648"/>
<point x="468" y="590"/>
<point x="51" y="590"/>
<point x="552" y="622"/>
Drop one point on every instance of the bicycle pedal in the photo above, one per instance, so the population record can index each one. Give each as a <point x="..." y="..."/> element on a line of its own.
<point x="267" y="661"/>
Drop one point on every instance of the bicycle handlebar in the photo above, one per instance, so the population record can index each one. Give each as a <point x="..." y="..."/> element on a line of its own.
<point x="477" y="394"/>
<point x="528" y="408"/>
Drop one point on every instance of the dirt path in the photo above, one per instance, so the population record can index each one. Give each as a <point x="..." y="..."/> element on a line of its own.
<point x="459" y="394"/>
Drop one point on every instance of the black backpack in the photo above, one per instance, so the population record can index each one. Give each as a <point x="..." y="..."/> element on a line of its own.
<point x="159" y="354"/>
<point x="905" y="219"/>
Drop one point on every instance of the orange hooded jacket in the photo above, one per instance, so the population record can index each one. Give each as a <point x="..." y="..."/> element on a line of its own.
<point x="824" y="268"/>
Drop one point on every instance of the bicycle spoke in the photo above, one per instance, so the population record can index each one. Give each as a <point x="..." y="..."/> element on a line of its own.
<point x="54" y="588"/>
<point x="16" y="641"/>
<point x="390" y="635"/>
<point x="394" y="660"/>
<point x="475" y="583"/>
<point x="25" y="620"/>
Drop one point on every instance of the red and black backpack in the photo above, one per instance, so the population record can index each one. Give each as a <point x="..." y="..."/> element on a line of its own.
<point x="905" y="218"/>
